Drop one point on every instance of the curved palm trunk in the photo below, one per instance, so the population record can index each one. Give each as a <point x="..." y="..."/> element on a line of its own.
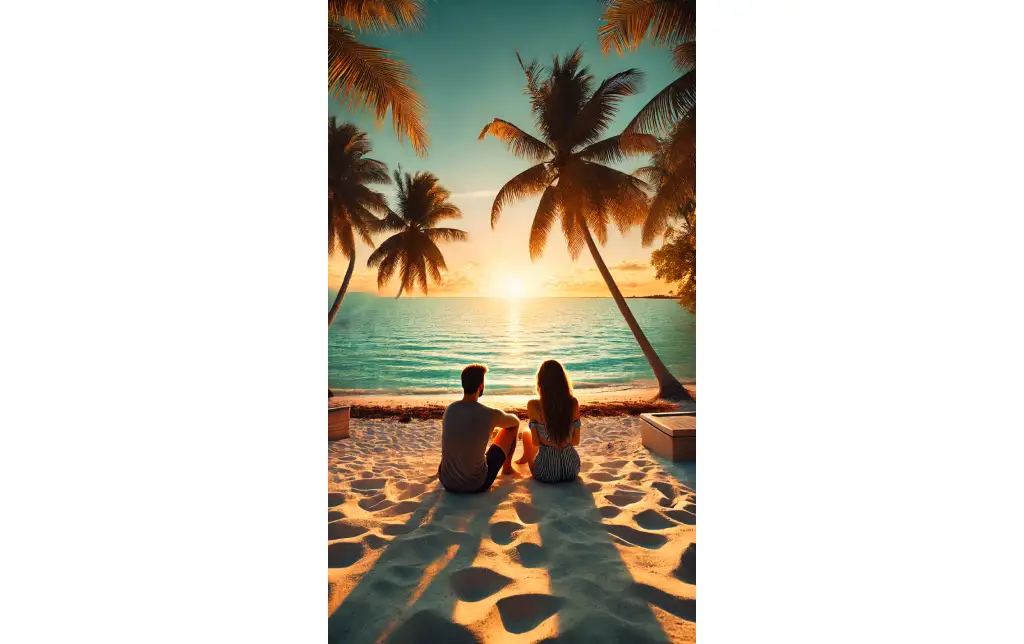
<point x="668" y="386"/>
<point x="341" y="292"/>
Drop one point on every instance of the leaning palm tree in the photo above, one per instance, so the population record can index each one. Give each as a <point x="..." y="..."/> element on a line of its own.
<point x="666" y="23"/>
<point x="413" y="251"/>
<point x="569" y="174"/>
<point x="369" y="77"/>
<point x="351" y="203"/>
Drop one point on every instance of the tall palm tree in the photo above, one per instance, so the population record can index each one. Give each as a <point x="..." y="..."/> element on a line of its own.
<point x="413" y="251"/>
<point x="666" y="23"/>
<point x="569" y="174"/>
<point x="351" y="203"/>
<point x="369" y="77"/>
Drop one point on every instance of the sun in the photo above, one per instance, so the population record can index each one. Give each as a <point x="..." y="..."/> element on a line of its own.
<point x="512" y="288"/>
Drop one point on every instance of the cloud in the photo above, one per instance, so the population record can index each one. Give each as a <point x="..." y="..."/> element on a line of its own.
<point x="475" y="194"/>
<point x="630" y="266"/>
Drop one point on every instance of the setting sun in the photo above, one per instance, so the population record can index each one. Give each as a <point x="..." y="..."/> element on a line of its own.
<point x="512" y="288"/>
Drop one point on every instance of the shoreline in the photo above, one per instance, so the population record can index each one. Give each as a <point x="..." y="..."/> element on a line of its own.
<point x="596" y="403"/>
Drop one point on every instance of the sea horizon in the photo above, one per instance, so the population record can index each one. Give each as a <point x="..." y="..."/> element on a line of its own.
<point x="418" y="346"/>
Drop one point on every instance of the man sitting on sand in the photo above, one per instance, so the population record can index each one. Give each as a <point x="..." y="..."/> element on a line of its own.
<point x="465" y="431"/>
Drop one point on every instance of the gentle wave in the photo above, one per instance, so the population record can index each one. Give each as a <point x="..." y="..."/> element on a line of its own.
<point x="420" y="345"/>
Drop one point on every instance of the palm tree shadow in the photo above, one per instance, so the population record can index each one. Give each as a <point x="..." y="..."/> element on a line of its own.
<point x="586" y="571"/>
<point x="382" y="604"/>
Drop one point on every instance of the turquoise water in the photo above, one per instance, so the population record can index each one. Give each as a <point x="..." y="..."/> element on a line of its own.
<point x="420" y="345"/>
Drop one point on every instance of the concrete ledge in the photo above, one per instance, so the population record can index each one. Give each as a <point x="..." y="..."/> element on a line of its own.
<point x="337" y="422"/>
<point x="671" y="435"/>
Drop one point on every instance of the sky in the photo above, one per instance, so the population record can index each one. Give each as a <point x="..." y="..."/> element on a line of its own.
<point x="465" y="61"/>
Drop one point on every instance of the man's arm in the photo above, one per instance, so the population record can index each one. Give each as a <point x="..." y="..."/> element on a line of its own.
<point x="505" y="421"/>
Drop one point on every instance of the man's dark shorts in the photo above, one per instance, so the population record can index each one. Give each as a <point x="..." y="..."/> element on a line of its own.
<point x="495" y="460"/>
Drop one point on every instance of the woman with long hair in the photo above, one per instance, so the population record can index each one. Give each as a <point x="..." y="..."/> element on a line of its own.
<point x="549" y="447"/>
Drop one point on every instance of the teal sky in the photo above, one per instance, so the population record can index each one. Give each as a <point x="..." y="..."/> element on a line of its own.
<point x="465" y="61"/>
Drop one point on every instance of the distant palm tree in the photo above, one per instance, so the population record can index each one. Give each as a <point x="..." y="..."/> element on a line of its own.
<point x="351" y="204"/>
<point x="413" y="251"/>
<point x="570" y="176"/>
<point x="672" y="173"/>
<point x="667" y="23"/>
<point x="364" y="76"/>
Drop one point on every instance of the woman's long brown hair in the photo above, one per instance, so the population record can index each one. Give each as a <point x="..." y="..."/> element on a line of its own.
<point x="556" y="399"/>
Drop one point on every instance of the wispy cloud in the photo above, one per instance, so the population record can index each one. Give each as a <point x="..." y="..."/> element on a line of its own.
<point x="475" y="194"/>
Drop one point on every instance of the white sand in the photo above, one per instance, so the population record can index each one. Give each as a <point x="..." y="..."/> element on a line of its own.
<point x="598" y="560"/>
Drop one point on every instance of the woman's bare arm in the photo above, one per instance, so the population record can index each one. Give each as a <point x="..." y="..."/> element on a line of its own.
<point x="575" y="417"/>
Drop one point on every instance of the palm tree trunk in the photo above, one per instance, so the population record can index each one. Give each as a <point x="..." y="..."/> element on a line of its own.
<point x="341" y="292"/>
<point x="668" y="386"/>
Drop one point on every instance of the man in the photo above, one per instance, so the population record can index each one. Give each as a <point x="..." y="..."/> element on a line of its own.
<point x="465" y="431"/>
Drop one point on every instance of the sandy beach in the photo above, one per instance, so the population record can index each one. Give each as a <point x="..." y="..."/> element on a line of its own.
<point x="607" y="558"/>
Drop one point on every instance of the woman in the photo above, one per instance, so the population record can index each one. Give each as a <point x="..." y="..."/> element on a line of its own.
<point x="554" y="427"/>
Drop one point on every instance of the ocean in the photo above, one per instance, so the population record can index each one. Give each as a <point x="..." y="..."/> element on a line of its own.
<point x="420" y="345"/>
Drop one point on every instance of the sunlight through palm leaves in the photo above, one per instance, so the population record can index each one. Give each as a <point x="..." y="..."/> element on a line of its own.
<point x="366" y="77"/>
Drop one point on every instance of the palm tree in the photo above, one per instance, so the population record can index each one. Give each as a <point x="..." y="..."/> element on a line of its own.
<point x="351" y="204"/>
<point x="667" y="23"/>
<point x="368" y="77"/>
<point x="569" y="174"/>
<point x="672" y="174"/>
<point x="413" y="251"/>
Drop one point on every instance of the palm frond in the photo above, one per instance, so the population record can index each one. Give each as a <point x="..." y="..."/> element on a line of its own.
<point x="684" y="56"/>
<point x="547" y="211"/>
<point x="528" y="182"/>
<point x="447" y="234"/>
<point x="520" y="143"/>
<point x="627" y="23"/>
<point x="597" y="114"/>
<point x="377" y="15"/>
<point x="370" y="78"/>
<point x="667" y="107"/>
<point x="618" y="148"/>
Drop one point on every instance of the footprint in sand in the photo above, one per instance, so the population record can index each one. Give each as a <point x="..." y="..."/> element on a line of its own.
<point x="428" y="627"/>
<point x="375" y="503"/>
<point x="593" y="487"/>
<point x="622" y="499"/>
<point x="373" y="542"/>
<point x="666" y="489"/>
<point x="529" y="555"/>
<point x="604" y="477"/>
<point x="344" y="553"/>
<point x="609" y="511"/>
<point x="681" y="607"/>
<point x="395" y="529"/>
<point x="634" y="537"/>
<point x="474" y="584"/>
<point x="682" y="516"/>
<point x="412" y="489"/>
<point x="369" y="484"/>
<point x="527" y="513"/>
<point x="653" y="520"/>
<point x="636" y="476"/>
<point x="334" y="515"/>
<point x="504" y="532"/>
<point x="687" y="570"/>
<point x="613" y="465"/>
<point x="405" y="507"/>
<point x="523" y="613"/>
<point x="344" y="530"/>
<point x="335" y="498"/>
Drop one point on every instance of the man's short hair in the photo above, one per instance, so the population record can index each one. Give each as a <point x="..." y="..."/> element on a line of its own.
<point x="473" y="377"/>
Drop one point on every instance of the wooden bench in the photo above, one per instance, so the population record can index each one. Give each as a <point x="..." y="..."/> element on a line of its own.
<point x="671" y="435"/>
